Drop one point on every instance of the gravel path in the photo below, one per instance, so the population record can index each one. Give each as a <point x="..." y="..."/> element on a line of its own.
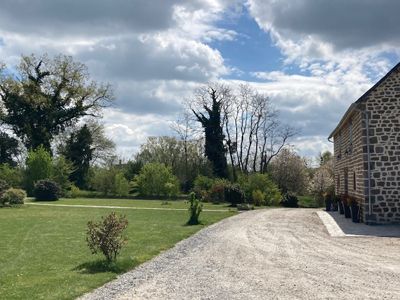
<point x="266" y="254"/>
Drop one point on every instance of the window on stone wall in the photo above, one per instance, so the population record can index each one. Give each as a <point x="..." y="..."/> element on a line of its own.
<point x="338" y="184"/>
<point x="354" y="181"/>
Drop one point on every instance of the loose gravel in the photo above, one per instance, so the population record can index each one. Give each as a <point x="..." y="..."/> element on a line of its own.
<point x="266" y="254"/>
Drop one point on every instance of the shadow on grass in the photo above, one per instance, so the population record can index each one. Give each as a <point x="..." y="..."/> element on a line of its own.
<point x="102" y="266"/>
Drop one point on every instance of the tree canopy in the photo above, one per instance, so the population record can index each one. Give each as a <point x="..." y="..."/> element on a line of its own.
<point x="46" y="95"/>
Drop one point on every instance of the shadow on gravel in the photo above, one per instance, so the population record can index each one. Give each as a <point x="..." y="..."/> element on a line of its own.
<point x="102" y="266"/>
<point x="361" y="229"/>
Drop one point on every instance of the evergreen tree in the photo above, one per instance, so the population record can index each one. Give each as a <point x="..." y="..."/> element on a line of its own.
<point x="79" y="152"/>
<point x="214" y="144"/>
<point x="8" y="149"/>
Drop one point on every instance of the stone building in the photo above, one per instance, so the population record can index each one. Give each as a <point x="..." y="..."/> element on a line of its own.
<point x="367" y="151"/>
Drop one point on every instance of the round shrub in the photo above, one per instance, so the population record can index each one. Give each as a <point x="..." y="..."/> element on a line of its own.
<point x="47" y="190"/>
<point x="13" y="196"/>
<point x="234" y="194"/>
<point x="217" y="191"/>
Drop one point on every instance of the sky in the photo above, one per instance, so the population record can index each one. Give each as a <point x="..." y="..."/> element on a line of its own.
<point x="313" y="58"/>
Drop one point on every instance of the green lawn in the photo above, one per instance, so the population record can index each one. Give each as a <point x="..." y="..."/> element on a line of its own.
<point x="307" y="202"/>
<point x="43" y="253"/>
<point x="180" y="204"/>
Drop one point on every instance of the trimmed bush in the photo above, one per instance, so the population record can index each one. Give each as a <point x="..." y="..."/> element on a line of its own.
<point x="47" y="190"/>
<point x="13" y="197"/>
<point x="290" y="201"/>
<point x="195" y="209"/>
<point x="234" y="194"/>
<point x="106" y="236"/>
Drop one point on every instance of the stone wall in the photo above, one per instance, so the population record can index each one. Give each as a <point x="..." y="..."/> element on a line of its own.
<point x="348" y="157"/>
<point x="384" y="128"/>
<point x="383" y="107"/>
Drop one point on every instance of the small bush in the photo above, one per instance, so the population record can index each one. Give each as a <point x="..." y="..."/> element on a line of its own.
<point x="202" y="186"/>
<point x="258" y="198"/>
<point x="74" y="191"/>
<point x="290" y="201"/>
<point x="47" y="190"/>
<point x="38" y="167"/>
<point x="106" y="236"/>
<point x="217" y="192"/>
<point x="13" y="197"/>
<point x="234" y="194"/>
<point x="195" y="209"/>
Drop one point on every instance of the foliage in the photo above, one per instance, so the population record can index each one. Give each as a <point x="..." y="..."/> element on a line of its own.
<point x="132" y="168"/>
<point x="48" y="95"/>
<point x="78" y="150"/>
<point x="323" y="182"/>
<point x="234" y="194"/>
<point x="121" y="185"/>
<point x="38" y="166"/>
<point x="106" y="236"/>
<point x="74" y="191"/>
<point x="289" y="172"/>
<point x="13" y="197"/>
<point x="9" y="149"/>
<point x="217" y="191"/>
<point x="109" y="181"/>
<point x="258" y="197"/>
<point x="213" y="129"/>
<point x="202" y="186"/>
<point x="47" y="190"/>
<point x="172" y="190"/>
<point x="184" y="157"/>
<point x="290" y="201"/>
<point x="101" y="179"/>
<point x="195" y="209"/>
<point x="153" y="178"/>
<point x="261" y="182"/>
<point x="12" y="175"/>
<point x="62" y="169"/>
<point x="3" y="186"/>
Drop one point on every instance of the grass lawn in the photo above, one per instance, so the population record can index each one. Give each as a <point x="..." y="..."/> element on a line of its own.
<point x="43" y="253"/>
<point x="307" y="202"/>
<point x="179" y="204"/>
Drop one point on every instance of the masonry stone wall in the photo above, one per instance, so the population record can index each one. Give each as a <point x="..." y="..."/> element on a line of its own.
<point x="383" y="105"/>
<point x="351" y="153"/>
<point x="348" y="159"/>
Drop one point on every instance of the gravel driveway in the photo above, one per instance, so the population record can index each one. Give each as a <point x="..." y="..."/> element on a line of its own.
<point x="266" y="254"/>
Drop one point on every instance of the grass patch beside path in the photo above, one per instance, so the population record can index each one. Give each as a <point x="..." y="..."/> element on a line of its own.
<point x="178" y="204"/>
<point x="43" y="253"/>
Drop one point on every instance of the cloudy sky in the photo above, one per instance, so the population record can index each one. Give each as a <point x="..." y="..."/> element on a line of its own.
<point x="312" y="57"/>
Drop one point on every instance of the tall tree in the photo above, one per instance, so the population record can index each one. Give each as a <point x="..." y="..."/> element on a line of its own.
<point x="212" y="125"/>
<point x="47" y="96"/>
<point x="79" y="151"/>
<point x="9" y="149"/>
